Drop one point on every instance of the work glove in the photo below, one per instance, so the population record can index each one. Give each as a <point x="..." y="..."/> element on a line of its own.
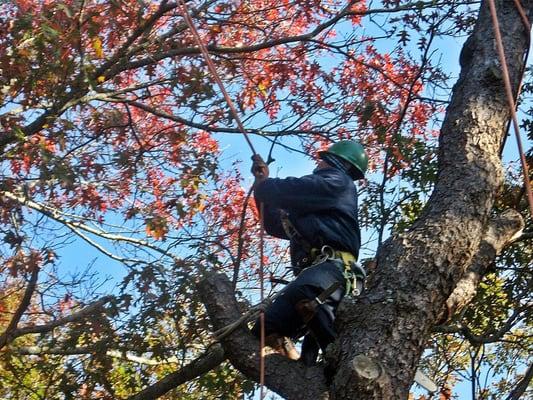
<point x="259" y="167"/>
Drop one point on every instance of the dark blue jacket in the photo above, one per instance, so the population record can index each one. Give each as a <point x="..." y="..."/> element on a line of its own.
<point x="321" y="206"/>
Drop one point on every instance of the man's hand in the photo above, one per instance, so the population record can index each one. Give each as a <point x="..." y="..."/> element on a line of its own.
<point x="259" y="168"/>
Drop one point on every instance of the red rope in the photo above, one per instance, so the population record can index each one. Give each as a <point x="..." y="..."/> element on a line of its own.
<point x="262" y="298"/>
<point x="510" y="99"/>
<point x="233" y="109"/>
<point x="523" y="15"/>
<point x="213" y="70"/>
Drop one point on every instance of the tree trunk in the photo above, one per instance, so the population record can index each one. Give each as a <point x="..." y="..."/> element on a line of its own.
<point x="383" y="336"/>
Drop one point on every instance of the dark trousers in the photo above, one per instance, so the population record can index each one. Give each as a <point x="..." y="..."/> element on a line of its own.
<point x="282" y="318"/>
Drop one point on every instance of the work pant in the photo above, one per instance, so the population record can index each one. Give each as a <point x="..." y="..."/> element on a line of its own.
<point x="282" y="318"/>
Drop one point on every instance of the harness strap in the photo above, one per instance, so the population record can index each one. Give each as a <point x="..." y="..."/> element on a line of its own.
<point x="352" y="271"/>
<point x="327" y="253"/>
<point x="292" y="232"/>
<point x="307" y="308"/>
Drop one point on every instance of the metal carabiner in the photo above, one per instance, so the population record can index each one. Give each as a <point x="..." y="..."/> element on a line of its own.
<point x="327" y="252"/>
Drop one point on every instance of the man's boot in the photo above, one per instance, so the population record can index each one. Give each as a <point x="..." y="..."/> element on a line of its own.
<point x="282" y="345"/>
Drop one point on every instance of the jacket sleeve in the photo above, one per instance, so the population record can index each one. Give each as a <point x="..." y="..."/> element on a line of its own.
<point x="306" y="194"/>
<point x="272" y="222"/>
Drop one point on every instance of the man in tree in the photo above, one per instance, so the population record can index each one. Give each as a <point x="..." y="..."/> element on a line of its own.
<point x="318" y="214"/>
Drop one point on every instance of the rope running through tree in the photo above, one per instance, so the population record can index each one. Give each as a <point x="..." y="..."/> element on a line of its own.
<point x="233" y="110"/>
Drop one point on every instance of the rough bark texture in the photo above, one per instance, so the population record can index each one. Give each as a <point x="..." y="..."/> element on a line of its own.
<point x="418" y="270"/>
<point x="501" y="230"/>
<point x="383" y="334"/>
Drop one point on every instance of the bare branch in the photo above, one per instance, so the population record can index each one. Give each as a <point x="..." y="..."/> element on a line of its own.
<point x="10" y="332"/>
<point x="44" y="350"/>
<point x="205" y="363"/>
<point x="171" y="117"/>
<point x="81" y="314"/>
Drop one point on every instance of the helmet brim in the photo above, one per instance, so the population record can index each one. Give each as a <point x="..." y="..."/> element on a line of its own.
<point x="355" y="173"/>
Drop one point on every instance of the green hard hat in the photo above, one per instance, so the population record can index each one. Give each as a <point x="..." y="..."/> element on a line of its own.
<point x="353" y="152"/>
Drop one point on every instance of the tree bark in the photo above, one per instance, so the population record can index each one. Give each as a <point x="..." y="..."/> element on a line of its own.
<point x="501" y="231"/>
<point x="418" y="270"/>
<point x="383" y="334"/>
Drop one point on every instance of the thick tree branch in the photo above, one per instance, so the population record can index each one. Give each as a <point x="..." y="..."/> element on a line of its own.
<point x="501" y="230"/>
<point x="522" y="385"/>
<point x="203" y="364"/>
<point x="282" y="375"/>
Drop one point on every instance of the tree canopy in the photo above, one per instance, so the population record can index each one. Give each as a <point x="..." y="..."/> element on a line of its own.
<point x="114" y="137"/>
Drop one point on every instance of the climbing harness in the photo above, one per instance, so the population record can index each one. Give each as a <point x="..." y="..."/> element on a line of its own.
<point x="353" y="273"/>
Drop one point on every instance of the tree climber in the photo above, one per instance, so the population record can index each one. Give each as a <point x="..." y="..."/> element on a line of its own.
<point x="318" y="214"/>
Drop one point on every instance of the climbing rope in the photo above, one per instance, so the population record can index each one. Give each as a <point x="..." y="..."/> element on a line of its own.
<point x="262" y="313"/>
<point x="233" y="110"/>
<point x="213" y="70"/>
<point x="509" y="91"/>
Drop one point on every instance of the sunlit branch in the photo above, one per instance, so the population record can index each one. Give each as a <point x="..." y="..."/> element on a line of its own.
<point x="11" y="332"/>
<point x="76" y="316"/>
<point x="102" y="249"/>
<point x="76" y="226"/>
<point x="44" y="350"/>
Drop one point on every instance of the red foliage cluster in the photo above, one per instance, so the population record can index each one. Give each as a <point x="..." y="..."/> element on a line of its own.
<point x="108" y="110"/>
